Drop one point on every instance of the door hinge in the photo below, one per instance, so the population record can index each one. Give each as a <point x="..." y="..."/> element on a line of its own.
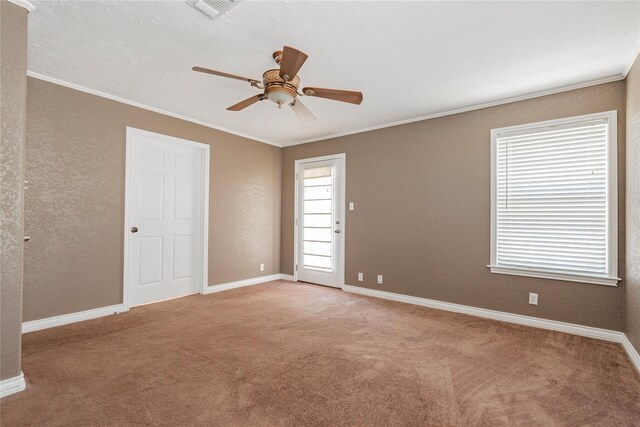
<point x="296" y="267"/>
<point x="296" y="176"/>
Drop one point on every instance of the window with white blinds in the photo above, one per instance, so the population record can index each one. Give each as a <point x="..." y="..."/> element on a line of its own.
<point x="554" y="197"/>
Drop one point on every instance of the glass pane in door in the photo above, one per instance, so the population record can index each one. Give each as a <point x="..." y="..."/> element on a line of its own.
<point x="317" y="236"/>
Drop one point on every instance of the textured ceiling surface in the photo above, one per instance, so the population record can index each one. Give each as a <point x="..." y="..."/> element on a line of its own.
<point x="410" y="59"/>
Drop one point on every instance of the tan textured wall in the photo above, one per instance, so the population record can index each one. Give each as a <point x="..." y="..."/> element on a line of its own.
<point x="422" y="197"/>
<point x="632" y="277"/>
<point x="74" y="208"/>
<point x="13" y="93"/>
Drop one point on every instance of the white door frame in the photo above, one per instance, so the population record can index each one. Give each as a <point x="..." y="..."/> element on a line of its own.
<point x="204" y="259"/>
<point x="343" y="190"/>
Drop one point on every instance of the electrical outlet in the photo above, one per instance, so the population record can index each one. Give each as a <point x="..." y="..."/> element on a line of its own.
<point x="533" y="298"/>
<point x="379" y="279"/>
<point x="261" y="267"/>
<point x="360" y="277"/>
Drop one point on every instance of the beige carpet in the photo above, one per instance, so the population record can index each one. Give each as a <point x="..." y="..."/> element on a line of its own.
<point x="296" y="355"/>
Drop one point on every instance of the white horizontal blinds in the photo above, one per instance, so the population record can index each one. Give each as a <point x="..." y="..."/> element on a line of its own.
<point x="317" y="218"/>
<point x="551" y="197"/>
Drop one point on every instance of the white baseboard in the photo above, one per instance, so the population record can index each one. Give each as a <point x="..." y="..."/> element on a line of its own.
<point x="553" y="325"/>
<point x="247" y="282"/>
<point x="16" y="384"/>
<point x="65" y="319"/>
<point x="570" y="328"/>
<point x="12" y="385"/>
<point x="631" y="352"/>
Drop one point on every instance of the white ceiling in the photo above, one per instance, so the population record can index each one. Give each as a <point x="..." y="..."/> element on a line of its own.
<point x="410" y="59"/>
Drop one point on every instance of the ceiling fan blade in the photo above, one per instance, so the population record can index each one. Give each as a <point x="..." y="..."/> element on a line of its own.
<point x="221" y="74"/>
<point x="302" y="111"/>
<point x="335" y="94"/>
<point x="291" y="62"/>
<point x="244" y="104"/>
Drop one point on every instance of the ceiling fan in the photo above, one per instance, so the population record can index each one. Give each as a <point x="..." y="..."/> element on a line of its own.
<point x="281" y="85"/>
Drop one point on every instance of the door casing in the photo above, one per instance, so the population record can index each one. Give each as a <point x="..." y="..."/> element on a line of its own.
<point x="341" y="262"/>
<point x="203" y="264"/>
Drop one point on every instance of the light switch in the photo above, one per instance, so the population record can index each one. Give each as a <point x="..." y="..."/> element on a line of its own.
<point x="351" y="206"/>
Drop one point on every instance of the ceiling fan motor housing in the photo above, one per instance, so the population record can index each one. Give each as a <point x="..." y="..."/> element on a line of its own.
<point x="277" y="89"/>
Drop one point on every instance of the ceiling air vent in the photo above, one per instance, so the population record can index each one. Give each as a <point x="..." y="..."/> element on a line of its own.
<point x="214" y="8"/>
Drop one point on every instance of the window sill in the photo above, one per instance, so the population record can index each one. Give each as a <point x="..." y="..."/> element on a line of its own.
<point x="594" y="280"/>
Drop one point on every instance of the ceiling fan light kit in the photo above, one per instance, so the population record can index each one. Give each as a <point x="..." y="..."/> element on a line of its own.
<point x="280" y="85"/>
<point x="279" y="90"/>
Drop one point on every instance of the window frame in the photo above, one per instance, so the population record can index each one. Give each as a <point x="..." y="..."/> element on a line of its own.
<point x="611" y="279"/>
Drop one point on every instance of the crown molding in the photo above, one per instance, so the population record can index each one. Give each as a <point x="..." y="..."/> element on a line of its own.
<point x="634" y="56"/>
<point x="532" y="95"/>
<point x="24" y="3"/>
<point x="145" y="107"/>
<point x="465" y="109"/>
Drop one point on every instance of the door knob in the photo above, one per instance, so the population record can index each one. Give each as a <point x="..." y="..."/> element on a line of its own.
<point x="134" y="229"/>
<point x="336" y="231"/>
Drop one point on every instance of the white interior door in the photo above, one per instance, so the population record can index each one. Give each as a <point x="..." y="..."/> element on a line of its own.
<point x="166" y="213"/>
<point x="320" y="220"/>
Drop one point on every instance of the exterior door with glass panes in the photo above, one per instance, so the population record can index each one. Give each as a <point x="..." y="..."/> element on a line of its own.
<point x="320" y="220"/>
